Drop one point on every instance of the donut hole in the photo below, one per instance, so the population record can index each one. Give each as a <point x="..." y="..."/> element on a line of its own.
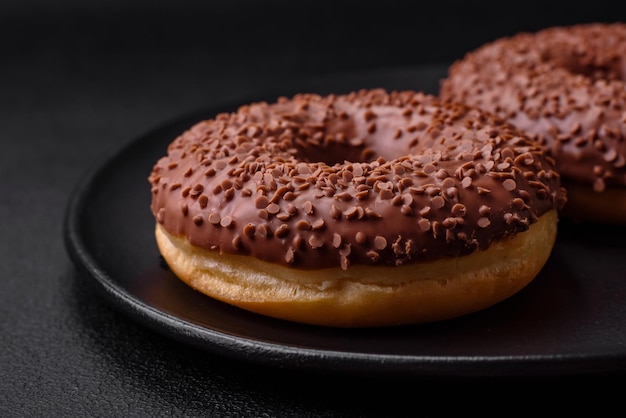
<point x="597" y="73"/>
<point x="355" y="139"/>
<point x="610" y="68"/>
<point x="332" y="152"/>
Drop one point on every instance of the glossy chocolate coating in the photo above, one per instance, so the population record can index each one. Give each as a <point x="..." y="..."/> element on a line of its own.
<point x="373" y="177"/>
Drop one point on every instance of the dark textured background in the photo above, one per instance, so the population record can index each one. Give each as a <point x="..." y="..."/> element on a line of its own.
<point x="79" y="80"/>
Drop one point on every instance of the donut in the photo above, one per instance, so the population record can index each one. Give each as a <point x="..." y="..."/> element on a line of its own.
<point x="564" y="87"/>
<point x="373" y="208"/>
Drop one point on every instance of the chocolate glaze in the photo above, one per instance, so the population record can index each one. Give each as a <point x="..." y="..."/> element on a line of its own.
<point x="564" y="86"/>
<point x="367" y="178"/>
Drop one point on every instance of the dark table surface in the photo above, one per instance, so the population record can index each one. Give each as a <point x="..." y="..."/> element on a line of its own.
<point x="79" y="81"/>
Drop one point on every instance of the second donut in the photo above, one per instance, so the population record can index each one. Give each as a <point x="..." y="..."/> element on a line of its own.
<point x="564" y="87"/>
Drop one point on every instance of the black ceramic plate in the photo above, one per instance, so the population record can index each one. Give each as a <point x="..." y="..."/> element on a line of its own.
<point x="570" y="320"/>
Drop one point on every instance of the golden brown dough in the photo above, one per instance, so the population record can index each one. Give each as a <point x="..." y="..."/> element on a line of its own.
<point x="365" y="296"/>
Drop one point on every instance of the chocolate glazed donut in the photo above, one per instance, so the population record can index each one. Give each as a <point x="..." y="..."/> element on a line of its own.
<point x="369" y="209"/>
<point x="564" y="87"/>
